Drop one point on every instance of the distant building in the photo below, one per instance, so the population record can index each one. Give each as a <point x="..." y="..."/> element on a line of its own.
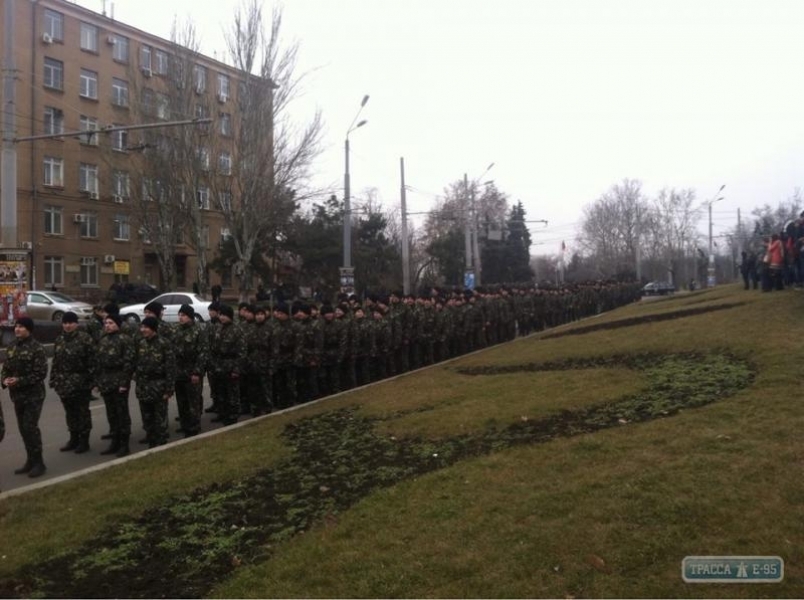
<point x="80" y="200"/>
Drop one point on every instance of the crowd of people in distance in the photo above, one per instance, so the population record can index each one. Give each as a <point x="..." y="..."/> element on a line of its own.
<point x="267" y="356"/>
<point x="780" y="261"/>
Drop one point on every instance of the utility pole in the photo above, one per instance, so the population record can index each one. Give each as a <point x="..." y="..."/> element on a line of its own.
<point x="405" y="249"/>
<point x="475" y="243"/>
<point x="467" y="233"/>
<point x="8" y="160"/>
<point x="637" y="251"/>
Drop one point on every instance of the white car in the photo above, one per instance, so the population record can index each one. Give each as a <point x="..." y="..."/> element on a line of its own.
<point x="51" y="306"/>
<point x="172" y="302"/>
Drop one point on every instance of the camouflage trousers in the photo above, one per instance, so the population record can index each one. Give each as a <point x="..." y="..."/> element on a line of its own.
<point x="76" y="411"/>
<point x="284" y="380"/>
<point x="189" y="403"/>
<point x="348" y="376"/>
<point x="329" y="379"/>
<point x="227" y="392"/>
<point x="117" y="412"/>
<point x="28" y="409"/>
<point x="362" y="370"/>
<point x="379" y="367"/>
<point x="258" y="392"/>
<point x="154" y="409"/>
<point x="2" y="425"/>
<point x="306" y="383"/>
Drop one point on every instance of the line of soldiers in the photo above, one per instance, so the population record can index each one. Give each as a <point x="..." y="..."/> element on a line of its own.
<point x="267" y="358"/>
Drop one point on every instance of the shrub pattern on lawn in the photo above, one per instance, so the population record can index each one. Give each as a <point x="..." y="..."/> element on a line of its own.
<point x="182" y="548"/>
<point x="652" y="318"/>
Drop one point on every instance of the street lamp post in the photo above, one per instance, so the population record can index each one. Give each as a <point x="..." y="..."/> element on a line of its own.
<point x="347" y="272"/>
<point x="710" y="273"/>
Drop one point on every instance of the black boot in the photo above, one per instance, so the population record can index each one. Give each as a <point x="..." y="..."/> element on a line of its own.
<point x="107" y="436"/>
<point x="72" y="444"/>
<point x="38" y="468"/>
<point x="26" y="467"/>
<point x="83" y="443"/>
<point x="114" y="446"/>
<point x="123" y="450"/>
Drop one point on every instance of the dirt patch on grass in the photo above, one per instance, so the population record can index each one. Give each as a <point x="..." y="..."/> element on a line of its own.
<point x="191" y="542"/>
<point x="655" y="318"/>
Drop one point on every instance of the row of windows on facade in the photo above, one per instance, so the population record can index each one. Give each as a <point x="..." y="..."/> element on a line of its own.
<point x="54" y="224"/>
<point x="89" y="181"/>
<point x="54" y="271"/>
<point x="152" y="60"/>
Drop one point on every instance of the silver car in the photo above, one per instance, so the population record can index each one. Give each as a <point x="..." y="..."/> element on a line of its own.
<point x="51" y="306"/>
<point x="172" y="302"/>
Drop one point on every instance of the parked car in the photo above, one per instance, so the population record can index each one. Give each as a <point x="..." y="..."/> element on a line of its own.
<point x="132" y="292"/>
<point x="658" y="288"/>
<point x="172" y="302"/>
<point x="51" y="306"/>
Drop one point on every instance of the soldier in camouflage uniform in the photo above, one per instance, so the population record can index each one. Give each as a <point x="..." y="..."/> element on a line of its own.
<point x="260" y="364"/>
<point x="310" y="342"/>
<point x="209" y="333"/>
<point x="363" y="329"/>
<point x="24" y="372"/>
<point x="440" y="331"/>
<point x="154" y="309"/>
<point x="189" y="344"/>
<point x="333" y="351"/>
<point x="285" y="354"/>
<point x="114" y="368"/>
<point x="248" y="378"/>
<point x="348" y="377"/>
<point x="382" y="345"/>
<point x="227" y="356"/>
<point x="71" y="377"/>
<point x="155" y="374"/>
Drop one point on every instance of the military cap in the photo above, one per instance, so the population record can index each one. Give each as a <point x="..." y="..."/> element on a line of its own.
<point x="26" y="322"/>
<point x="116" y="318"/>
<point x="188" y="310"/>
<point x="111" y="308"/>
<point x="281" y="307"/>
<point x="151" y="323"/>
<point x="326" y="309"/>
<point x="69" y="317"/>
<point x="227" y="311"/>
<point x="154" y="307"/>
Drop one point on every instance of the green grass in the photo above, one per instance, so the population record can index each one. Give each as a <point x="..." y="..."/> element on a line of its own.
<point x="608" y="513"/>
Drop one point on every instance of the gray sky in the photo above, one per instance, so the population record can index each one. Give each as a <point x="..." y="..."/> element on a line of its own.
<point x="566" y="97"/>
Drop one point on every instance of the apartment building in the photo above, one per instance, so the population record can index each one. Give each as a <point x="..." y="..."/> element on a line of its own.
<point x="79" y="200"/>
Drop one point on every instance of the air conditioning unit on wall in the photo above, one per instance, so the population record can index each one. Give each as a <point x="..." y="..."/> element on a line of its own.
<point x="108" y="259"/>
<point x="27" y="245"/>
<point x="79" y="218"/>
<point x="47" y="38"/>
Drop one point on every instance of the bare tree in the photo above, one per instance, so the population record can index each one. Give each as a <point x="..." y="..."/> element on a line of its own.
<point x="272" y="164"/>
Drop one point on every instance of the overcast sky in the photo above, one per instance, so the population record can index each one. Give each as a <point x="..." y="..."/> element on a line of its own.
<point x="565" y="97"/>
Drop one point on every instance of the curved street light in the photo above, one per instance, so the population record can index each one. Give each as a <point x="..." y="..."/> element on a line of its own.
<point x="710" y="273"/>
<point x="346" y="273"/>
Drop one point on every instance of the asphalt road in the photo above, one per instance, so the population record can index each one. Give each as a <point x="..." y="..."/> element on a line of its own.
<point x="55" y="435"/>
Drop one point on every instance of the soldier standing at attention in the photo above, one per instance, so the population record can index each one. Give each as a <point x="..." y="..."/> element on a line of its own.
<point x="24" y="373"/>
<point x="227" y="355"/>
<point x="259" y="349"/>
<point x="209" y="333"/>
<point x="191" y="358"/>
<point x="71" y="377"/>
<point x="114" y="369"/>
<point x="285" y="355"/>
<point x="156" y="378"/>
<point x="311" y="342"/>
<point x="249" y="377"/>
<point x="334" y="351"/>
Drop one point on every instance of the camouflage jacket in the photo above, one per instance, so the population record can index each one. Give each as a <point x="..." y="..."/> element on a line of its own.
<point x="73" y="362"/>
<point x="311" y="343"/>
<point x="115" y="360"/>
<point x="382" y="336"/>
<point x="190" y="345"/>
<point x="335" y="341"/>
<point x="156" y="366"/>
<point x="286" y="349"/>
<point x="227" y="353"/>
<point x="363" y="331"/>
<point x="94" y="328"/>
<point x="26" y="360"/>
<point x="259" y="343"/>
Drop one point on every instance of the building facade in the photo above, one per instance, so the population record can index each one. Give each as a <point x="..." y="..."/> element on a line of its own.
<point x="82" y="199"/>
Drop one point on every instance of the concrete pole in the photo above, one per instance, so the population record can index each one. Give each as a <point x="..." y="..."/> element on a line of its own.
<point x="347" y="210"/>
<point x="405" y="249"/>
<point x="467" y="233"/>
<point x="8" y="159"/>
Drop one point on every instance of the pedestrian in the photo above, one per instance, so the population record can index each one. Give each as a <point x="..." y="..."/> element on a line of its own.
<point x="190" y="346"/>
<point x="155" y="375"/>
<point x="71" y="377"/>
<point x="227" y="355"/>
<point x="24" y="372"/>
<point x="114" y="369"/>
<point x="216" y="293"/>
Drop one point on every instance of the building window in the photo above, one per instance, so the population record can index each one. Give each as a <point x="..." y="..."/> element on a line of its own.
<point x="203" y="236"/>
<point x="89" y="271"/>
<point x="88" y="178"/>
<point x="120" y="140"/>
<point x="200" y="78"/>
<point x="202" y="196"/>
<point x="119" y="48"/>
<point x="162" y="63"/>
<point x="54" y="271"/>
<point x="54" y="171"/>
<point x="54" y="25"/>
<point x="223" y="87"/>
<point x="203" y="158"/>
<point x="89" y="124"/>
<point x="89" y="37"/>
<point x="89" y="225"/>
<point x="225" y="163"/>
<point x="121" y="184"/>
<point x="162" y="106"/>
<point x="148" y="102"/>
<point x="54" y="120"/>
<point x="225" y="201"/>
<point x="53" y="220"/>
<point x="54" y="74"/>
<point x="145" y="60"/>
<point x="119" y="92"/>
<point x="225" y="124"/>
<point x="122" y="228"/>
<point x="89" y="84"/>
